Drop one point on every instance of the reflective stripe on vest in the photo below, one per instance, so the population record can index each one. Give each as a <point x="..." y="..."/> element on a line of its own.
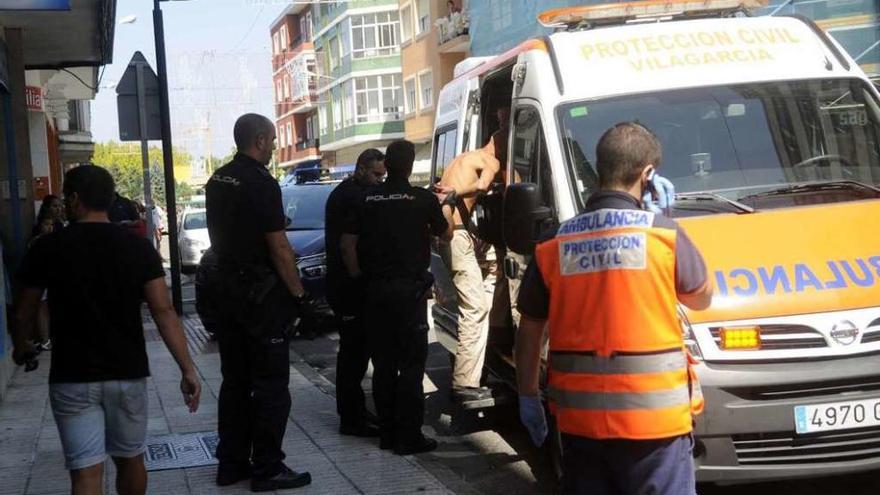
<point x="566" y="362"/>
<point x="620" y="401"/>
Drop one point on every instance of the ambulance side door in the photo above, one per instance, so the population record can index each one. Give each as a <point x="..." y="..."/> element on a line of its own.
<point x="528" y="162"/>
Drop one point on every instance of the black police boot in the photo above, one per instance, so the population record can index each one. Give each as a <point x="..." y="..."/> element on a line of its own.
<point x="467" y="394"/>
<point x="287" y="478"/>
<point x="358" y="430"/>
<point x="417" y="445"/>
<point x="230" y="475"/>
<point x="386" y="441"/>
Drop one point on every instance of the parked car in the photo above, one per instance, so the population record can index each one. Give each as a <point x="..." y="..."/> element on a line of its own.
<point x="193" y="238"/>
<point x="304" y="206"/>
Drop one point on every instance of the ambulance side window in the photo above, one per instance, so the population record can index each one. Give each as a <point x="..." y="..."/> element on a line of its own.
<point x="445" y="148"/>
<point x="530" y="162"/>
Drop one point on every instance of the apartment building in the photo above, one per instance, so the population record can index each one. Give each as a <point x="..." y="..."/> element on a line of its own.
<point x="295" y="82"/>
<point x="360" y="85"/>
<point x="433" y="38"/>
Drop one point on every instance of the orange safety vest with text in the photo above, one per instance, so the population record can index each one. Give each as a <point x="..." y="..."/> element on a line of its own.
<point x="618" y="366"/>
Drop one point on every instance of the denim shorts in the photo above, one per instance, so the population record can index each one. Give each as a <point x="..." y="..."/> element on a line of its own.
<point x="98" y="419"/>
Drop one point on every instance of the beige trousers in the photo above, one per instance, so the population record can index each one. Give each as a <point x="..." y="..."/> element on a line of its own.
<point x="474" y="303"/>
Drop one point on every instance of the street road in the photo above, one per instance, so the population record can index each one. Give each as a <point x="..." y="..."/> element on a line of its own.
<point x="493" y="455"/>
<point x="490" y="452"/>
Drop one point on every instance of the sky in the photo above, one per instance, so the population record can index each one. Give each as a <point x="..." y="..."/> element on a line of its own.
<point x="219" y="67"/>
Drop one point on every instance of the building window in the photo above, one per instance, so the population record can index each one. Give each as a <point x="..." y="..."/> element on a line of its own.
<point x="286" y="87"/>
<point x="310" y="127"/>
<point x="374" y="35"/>
<point x="305" y="27"/>
<point x="322" y="118"/>
<point x="337" y="107"/>
<point x="345" y="38"/>
<point x="423" y="16"/>
<point x="275" y="46"/>
<point x="409" y="92"/>
<point x="502" y="15"/>
<point x="377" y="98"/>
<point x="279" y="131"/>
<point x="285" y="41"/>
<point x="426" y="85"/>
<point x="406" y="23"/>
<point x="348" y="103"/>
<point x="289" y="134"/>
<point x="333" y="50"/>
<point x="278" y="93"/>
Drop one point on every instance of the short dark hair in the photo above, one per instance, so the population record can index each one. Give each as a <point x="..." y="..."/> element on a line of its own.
<point x="368" y="157"/>
<point x="248" y="127"/>
<point x="93" y="186"/>
<point x="623" y="151"/>
<point x="399" y="158"/>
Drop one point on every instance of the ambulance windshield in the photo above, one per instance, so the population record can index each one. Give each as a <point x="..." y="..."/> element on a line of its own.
<point x="740" y="141"/>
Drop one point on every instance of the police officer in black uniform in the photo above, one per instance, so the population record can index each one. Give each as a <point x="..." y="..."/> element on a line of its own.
<point x="258" y="288"/>
<point x="386" y="241"/>
<point x="346" y="298"/>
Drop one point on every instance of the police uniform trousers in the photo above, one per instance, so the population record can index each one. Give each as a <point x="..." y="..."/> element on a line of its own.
<point x="397" y="328"/>
<point x="628" y="467"/>
<point x="353" y="357"/>
<point x="254" y="402"/>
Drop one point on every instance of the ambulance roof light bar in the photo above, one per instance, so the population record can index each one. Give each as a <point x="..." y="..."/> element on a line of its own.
<point x="643" y="11"/>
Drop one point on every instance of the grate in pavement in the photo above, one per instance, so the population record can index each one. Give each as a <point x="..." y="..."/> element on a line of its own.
<point x="179" y="451"/>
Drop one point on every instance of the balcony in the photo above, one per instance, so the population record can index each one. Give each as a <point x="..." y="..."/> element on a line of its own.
<point x="453" y="33"/>
<point x="307" y="143"/>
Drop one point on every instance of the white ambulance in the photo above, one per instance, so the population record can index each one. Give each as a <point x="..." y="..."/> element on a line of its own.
<point x="771" y="135"/>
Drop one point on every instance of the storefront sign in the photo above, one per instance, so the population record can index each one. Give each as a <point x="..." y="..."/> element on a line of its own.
<point x="34" y="4"/>
<point x="34" y="98"/>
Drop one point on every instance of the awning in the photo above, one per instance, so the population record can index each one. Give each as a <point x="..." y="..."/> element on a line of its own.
<point x="79" y="37"/>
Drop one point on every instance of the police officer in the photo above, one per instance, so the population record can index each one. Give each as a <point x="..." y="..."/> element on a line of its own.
<point x="619" y="374"/>
<point x="346" y="298"/>
<point x="257" y="285"/>
<point x="386" y="242"/>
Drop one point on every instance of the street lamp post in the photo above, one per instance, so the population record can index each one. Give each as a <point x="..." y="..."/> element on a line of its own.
<point x="167" y="155"/>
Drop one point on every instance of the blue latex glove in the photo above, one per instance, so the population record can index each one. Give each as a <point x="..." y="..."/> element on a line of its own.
<point x="665" y="192"/>
<point x="531" y="414"/>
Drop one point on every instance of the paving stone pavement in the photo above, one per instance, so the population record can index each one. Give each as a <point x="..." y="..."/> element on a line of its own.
<point x="31" y="460"/>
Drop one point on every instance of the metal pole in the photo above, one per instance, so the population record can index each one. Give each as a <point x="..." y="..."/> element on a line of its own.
<point x="145" y="151"/>
<point x="168" y="159"/>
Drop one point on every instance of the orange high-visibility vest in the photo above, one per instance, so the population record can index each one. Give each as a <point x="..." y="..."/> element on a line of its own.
<point x="618" y="367"/>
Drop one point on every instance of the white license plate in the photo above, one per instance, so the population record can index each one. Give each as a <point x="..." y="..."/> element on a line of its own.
<point x="837" y="416"/>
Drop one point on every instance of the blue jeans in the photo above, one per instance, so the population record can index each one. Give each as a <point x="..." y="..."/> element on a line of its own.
<point x="97" y="419"/>
<point x="628" y="467"/>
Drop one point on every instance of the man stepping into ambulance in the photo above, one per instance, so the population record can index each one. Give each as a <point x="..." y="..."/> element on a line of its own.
<point x="620" y="381"/>
<point x="468" y="175"/>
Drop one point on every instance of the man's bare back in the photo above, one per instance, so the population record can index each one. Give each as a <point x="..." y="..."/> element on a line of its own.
<point x="470" y="173"/>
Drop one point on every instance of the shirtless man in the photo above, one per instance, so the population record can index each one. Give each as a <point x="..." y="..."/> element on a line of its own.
<point x="469" y="174"/>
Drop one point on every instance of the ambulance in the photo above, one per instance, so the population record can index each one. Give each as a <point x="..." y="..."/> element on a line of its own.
<point x="771" y="135"/>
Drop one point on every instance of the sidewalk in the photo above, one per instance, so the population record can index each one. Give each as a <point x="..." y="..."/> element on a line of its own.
<point x="30" y="451"/>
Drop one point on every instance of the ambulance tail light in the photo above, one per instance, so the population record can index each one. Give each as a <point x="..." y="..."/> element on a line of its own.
<point x="619" y="13"/>
<point x="746" y="338"/>
<point x="687" y="333"/>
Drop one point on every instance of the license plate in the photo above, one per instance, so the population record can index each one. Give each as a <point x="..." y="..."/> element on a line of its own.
<point x="837" y="416"/>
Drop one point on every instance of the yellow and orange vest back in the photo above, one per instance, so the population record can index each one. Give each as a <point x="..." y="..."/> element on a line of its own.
<point x="618" y="367"/>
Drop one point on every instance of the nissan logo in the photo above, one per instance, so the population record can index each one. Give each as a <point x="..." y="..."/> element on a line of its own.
<point x="844" y="333"/>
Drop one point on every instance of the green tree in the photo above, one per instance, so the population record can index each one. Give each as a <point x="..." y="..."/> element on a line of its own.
<point x="123" y="161"/>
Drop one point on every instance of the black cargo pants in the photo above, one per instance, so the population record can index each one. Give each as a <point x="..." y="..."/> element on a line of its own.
<point x="397" y="328"/>
<point x="254" y="402"/>
<point x="353" y="357"/>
